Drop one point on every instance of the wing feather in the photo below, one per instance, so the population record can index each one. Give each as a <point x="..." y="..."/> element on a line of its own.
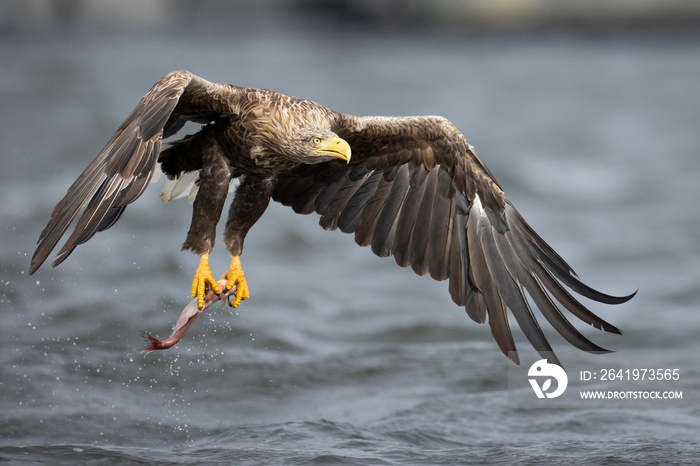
<point x="420" y="234"/>
<point x="405" y="222"/>
<point x="498" y="262"/>
<point x="385" y="229"/>
<point x="440" y="227"/>
<point x="349" y="217"/>
<point x="364" y="232"/>
<point x="330" y="189"/>
<point x="458" y="256"/>
<point x="485" y="282"/>
<point x="354" y="179"/>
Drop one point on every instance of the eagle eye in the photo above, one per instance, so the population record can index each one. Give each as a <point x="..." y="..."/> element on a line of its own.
<point x="316" y="140"/>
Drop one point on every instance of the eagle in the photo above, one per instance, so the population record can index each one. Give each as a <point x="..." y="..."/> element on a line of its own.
<point x="408" y="187"/>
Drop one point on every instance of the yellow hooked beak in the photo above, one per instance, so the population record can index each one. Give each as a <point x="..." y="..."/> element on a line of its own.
<point x="335" y="147"/>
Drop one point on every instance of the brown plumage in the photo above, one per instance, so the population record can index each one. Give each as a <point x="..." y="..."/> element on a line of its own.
<point x="413" y="188"/>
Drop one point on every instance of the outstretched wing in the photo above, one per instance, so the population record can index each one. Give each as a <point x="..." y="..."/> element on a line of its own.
<point x="417" y="190"/>
<point x="123" y="169"/>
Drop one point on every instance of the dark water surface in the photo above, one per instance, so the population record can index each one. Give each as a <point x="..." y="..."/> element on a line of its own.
<point x="340" y="357"/>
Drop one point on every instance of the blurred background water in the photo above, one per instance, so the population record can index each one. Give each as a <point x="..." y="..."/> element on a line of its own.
<point x="588" y="119"/>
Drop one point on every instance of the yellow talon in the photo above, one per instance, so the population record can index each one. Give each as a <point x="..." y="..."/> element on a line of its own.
<point x="202" y="278"/>
<point x="235" y="276"/>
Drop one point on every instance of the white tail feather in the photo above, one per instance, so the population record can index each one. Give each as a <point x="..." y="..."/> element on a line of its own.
<point x="157" y="175"/>
<point x="193" y="193"/>
<point x="174" y="189"/>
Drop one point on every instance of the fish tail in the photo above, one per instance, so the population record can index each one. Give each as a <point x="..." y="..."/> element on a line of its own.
<point x="153" y="343"/>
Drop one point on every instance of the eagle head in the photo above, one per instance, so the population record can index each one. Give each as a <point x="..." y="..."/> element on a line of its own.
<point x="316" y="145"/>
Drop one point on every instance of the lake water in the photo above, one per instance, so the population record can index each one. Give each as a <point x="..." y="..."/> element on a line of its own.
<point x="340" y="357"/>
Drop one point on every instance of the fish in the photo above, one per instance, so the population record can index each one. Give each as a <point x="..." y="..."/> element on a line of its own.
<point x="186" y="319"/>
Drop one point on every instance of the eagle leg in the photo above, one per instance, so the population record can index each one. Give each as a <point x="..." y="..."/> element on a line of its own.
<point x="202" y="278"/>
<point x="235" y="276"/>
